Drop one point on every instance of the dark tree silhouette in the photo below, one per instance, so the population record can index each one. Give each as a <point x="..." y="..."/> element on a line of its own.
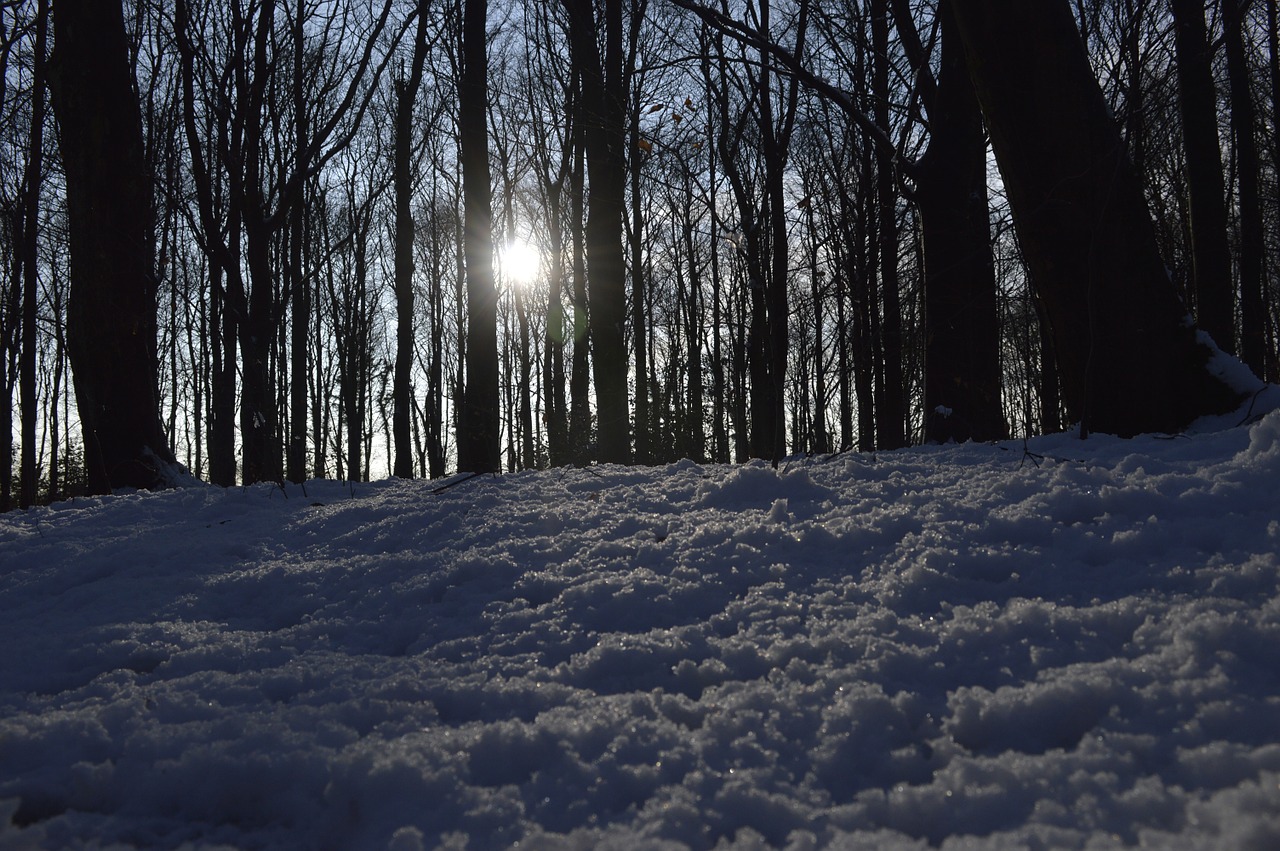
<point x="479" y="450"/>
<point x="111" y="322"/>
<point x="603" y="108"/>
<point x="1210" y="253"/>
<point x="1130" y="359"/>
<point x="406" y="92"/>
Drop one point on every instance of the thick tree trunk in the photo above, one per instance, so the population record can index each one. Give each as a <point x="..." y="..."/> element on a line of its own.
<point x="1210" y="252"/>
<point x="111" y="315"/>
<point x="962" y="378"/>
<point x="1130" y="359"/>
<point x="478" y="428"/>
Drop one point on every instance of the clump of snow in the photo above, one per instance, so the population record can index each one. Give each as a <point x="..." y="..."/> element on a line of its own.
<point x="1233" y="371"/>
<point x="974" y="646"/>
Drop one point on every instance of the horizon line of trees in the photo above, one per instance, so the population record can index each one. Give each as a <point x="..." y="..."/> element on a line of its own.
<point x="763" y="228"/>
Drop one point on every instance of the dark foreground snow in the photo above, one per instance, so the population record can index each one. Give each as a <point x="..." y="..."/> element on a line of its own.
<point x="960" y="646"/>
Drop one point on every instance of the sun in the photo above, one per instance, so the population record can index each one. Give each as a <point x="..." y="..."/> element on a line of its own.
<point x="520" y="262"/>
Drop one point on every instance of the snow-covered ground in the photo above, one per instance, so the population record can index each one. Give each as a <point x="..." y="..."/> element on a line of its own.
<point x="970" y="646"/>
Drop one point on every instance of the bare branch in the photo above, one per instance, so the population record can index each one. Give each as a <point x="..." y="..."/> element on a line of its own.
<point x="791" y="64"/>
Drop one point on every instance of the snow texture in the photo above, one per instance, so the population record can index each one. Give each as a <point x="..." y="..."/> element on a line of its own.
<point x="1071" y="644"/>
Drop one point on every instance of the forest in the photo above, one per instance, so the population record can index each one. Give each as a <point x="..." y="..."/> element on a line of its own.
<point x="281" y="240"/>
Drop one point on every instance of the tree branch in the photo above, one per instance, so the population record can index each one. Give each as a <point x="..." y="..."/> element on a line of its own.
<point x="791" y="64"/>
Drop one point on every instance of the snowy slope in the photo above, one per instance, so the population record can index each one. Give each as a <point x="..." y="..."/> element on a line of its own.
<point x="960" y="646"/>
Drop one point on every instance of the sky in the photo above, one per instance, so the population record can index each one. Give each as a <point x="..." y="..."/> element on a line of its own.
<point x="1051" y="644"/>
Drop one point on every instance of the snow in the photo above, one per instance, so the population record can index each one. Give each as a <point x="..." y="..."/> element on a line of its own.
<point x="1067" y="644"/>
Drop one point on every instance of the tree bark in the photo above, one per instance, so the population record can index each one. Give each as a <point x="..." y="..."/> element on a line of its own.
<point x="299" y="282"/>
<point x="962" y="377"/>
<point x="406" y="91"/>
<point x="891" y="414"/>
<point x="111" y="314"/>
<point x="30" y="265"/>
<point x="1210" y="252"/>
<point x="478" y="429"/>
<point x="1130" y="358"/>
<point x="603" y="97"/>
<point x="1253" y="344"/>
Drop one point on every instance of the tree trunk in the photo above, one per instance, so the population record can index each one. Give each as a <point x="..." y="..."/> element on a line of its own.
<point x="962" y="378"/>
<point x="1253" y="343"/>
<point x="30" y="266"/>
<point x="111" y="315"/>
<point x="644" y="425"/>
<point x="478" y="430"/>
<point x="406" y="91"/>
<point x="603" y="112"/>
<point x="1210" y="252"/>
<point x="891" y="416"/>
<point x="580" y="366"/>
<point x="1130" y="360"/>
<point x="299" y="283"/>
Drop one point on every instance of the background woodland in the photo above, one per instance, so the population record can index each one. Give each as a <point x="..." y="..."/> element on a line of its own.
<point x="757" y="186"/>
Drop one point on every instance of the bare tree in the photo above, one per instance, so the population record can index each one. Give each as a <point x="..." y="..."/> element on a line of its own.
<point x="406" y="92"/>
<point x="1130" y="362"/>
<point x="111" y="325"/>
<point x="479" y="414"/>
<point x="603" y="109"/>
<point x="1210" y="253"/>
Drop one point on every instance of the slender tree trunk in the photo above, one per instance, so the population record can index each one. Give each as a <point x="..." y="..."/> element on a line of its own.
<point x="604" y="99"/>
<point x="9" y="307"/>
<point x="111" y="316"/>
<point x="776" y="138"/>
<point x="435" y="370"/>
<point x="639" y="314"/>
<point x="224" y="262"/>
<point x="1050" y="392"/>
<point x="891" y="418"/>
<point x="1210" y="252"/>
<point x="31" y="265"/>
<point x="299" y="284"/>
<point x="580" y="367"/>
<point x="1273" y="64"/>
<point x="406" y="91"/>
<point x="478" y="433"/>
<point x="1253" y="343"/>
<point x="559" y="329"/>
<point x="1130" y="363"/>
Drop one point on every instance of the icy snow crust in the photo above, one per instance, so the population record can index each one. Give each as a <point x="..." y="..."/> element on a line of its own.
<point x="961" y="647"/>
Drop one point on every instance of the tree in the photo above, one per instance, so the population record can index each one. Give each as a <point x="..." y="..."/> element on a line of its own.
<point x="30" y="222"/>
<point x="1253" y="345"/>
<point x="111" y="323"/>
<point x="1130" y="358"/>
<point x="962" y="383"/>
<point x="891" y="416"/>
<point x="233" y="66"/>
<point x="1210" y="253"/>
<point x="478" y="432"/>
<point x="603" y="109"/>
<point x="406" y="91"/>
